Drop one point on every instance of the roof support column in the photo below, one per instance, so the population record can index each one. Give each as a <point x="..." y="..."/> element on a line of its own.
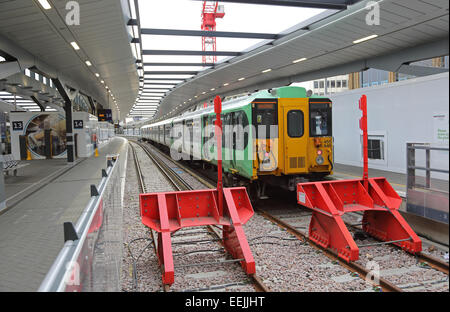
<point x="35" y="100"/>
<point x="69" y="128"/>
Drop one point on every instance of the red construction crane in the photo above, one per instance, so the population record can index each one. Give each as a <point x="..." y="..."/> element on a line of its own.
<point x="211" y="11"/>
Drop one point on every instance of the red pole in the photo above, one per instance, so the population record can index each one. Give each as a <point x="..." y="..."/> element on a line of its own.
<point x="218" y="133"/>
<point x="363" y="127"/>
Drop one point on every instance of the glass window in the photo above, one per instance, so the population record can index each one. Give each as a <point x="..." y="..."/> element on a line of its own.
<point x="322" y="84"/>
<point x="295" y="123"/>
<point x="316" y="84"/>
<point x="333" y="83"/>
<point x="338" y="83"/>
<point x="375" y="149"/>
<point x="344" y="83"/>
<point x="264" y="116"/>
<point x="320" y="119"/>
<point x="242" y="134"/>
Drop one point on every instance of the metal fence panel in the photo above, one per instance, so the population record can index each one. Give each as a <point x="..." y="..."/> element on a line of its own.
<point x="425" y="196"/>
<point x="92" y="262"/>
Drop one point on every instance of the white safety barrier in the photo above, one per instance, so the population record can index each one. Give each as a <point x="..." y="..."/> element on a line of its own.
<point x="92" y="254"/>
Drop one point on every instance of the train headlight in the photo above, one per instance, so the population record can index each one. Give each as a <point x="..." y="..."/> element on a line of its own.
<point x="320" y="160"/>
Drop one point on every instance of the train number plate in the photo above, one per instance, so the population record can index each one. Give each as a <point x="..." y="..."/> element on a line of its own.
<point x="302" y="197"/>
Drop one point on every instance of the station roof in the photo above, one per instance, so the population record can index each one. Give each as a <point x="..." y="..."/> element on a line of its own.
<point x="40" y="37"/>
<point x="331" y="43"/>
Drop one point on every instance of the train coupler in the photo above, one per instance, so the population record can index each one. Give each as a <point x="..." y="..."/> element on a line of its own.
<point x="379" y="202"/>
<point x="171" y="211"/>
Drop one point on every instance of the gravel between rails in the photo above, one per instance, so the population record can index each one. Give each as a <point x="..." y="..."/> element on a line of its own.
<point x="398" y="266"/>
<point x="228" y="275"/>
<point x="395" y="265"/>
<point x="283" y="262"/>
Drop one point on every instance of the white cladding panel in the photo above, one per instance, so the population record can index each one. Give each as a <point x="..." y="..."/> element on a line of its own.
<point x="402" y="112"/>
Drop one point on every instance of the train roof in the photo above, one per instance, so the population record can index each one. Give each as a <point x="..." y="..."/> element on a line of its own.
<point x="282" y="92"/>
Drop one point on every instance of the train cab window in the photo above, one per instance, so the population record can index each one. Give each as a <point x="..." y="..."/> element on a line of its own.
<point x="265" y="114"/>
<point x="320" y="119"/>
<point x="295" y="122"/>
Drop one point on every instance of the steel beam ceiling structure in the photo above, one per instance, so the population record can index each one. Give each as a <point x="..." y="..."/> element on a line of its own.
<point x="203" y="33"/>
<point x="410" y="30"/>
<point x="318" y="4"/>
<point x="40" y="38"/>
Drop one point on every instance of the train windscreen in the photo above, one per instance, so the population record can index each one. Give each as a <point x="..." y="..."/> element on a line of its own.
<point x="320" y="118"/>
<point x="265" y="115"/>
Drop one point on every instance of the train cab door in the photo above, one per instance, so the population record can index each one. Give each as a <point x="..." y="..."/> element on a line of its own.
<point x="265" y="120"/>
<point x="295" y="138"/>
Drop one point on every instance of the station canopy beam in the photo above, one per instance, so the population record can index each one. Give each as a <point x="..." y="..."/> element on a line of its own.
<point x="204" y="33"/>
<point x="189" y="52"/>
<point x="164" y="72"/>
<point x="179" y="64"/>
<point x="35" y="100"/>
<point x="318" y="4"/>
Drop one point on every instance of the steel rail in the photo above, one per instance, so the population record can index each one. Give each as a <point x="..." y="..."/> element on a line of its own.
<point x="352" y="266"/>
<point x="258" y="283"/>
<point x="433" y="262"/>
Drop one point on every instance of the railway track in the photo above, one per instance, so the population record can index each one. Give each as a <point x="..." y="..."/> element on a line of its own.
<point x="357" y="269"/>
<point x="296" y="221"/>
<point x="185" y="237"/>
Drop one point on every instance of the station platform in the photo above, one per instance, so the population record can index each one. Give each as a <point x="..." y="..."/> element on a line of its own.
<point x="435" y="231"/>
<point x="43" y="196"/>
<point x="397" y="180"/>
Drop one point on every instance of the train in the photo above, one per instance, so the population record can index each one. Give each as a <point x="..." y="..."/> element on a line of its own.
<point x="279" y="136"/>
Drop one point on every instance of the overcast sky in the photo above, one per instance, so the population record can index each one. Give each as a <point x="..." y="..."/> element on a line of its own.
<point x="186" y="14"/>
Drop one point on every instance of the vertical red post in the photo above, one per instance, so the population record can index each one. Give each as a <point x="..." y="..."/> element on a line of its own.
<point x="363" y="127"/>
<point x="218" y="133"/>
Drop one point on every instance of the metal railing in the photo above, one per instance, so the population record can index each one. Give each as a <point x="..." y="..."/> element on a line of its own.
<point x="425" y="199"/>
<point x="91" y="257"/>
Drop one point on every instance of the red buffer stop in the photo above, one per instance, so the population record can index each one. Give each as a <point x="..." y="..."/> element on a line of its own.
<point x="375" y="197"/>
<point x="230" y="208"/>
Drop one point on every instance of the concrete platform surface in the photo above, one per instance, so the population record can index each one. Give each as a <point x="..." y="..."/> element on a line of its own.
<point x="31" y="232"/>
<point x="397" y="180"/>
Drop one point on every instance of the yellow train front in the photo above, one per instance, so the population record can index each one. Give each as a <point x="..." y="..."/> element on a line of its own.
<point x="272" y="137"/>
<point x="303" y="147"/>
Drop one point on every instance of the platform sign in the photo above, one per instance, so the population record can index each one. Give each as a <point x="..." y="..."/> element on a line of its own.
<point x="440" y="128"/>
<point x="78" y="124"/>
<point x="104" y="115"/>
<point x="17" y="125"/>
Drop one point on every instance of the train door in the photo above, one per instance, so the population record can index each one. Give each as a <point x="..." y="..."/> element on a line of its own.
<point x="295" y="138"/>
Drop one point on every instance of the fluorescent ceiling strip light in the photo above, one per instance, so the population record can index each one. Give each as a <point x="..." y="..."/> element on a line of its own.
<point x="75" y="45"/>
<point x="45" y="4"/>
<point x="300" y="60"/>
<point x="365" y="39"/>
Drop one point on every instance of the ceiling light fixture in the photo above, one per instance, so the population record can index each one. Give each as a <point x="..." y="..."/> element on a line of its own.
<point x="300" y="60"/>
<point x="365" y="39"/>
<point x="45" y="4"/>
<point x="88" y="63"/>
<point x="240" y="79"/>
<point x="75" y="45"/>
<point x="266" y="70"/>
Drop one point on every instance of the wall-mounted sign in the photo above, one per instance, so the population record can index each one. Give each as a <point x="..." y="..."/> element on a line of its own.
<point x="78" y="124"/>
<point x="440" y="128"/>
<point x="104" y="115"/>
<point x="17" y="125"/>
